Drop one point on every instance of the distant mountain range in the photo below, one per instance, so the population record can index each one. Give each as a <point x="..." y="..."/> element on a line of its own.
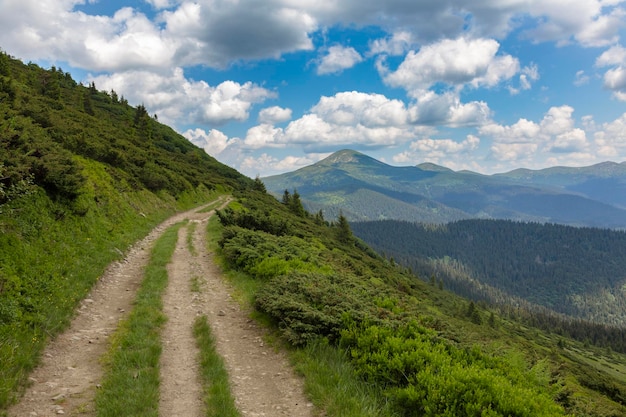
<point x="367" y="189"/>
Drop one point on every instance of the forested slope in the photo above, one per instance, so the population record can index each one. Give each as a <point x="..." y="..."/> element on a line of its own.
<point x="575" y="271"/>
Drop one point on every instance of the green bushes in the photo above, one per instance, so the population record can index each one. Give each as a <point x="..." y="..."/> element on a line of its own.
<point x="308" y="306"/>
<point x="264" y="255"/>
<point x="426" y="376"/>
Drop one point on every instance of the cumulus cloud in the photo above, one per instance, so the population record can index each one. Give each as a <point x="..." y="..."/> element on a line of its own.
<point x="351" y="119"/>
<point x="454" y="62"/>
<point x="453" y="154"/>
<point x="270" y="165"/>
<point x="217" y="33"/>
<point x="263" y="136"/>
<point x="212" y="33"/>
<point x="177" y="99"/>
<point x="337" y="59"/>
<point x="590" y="23"/>
<point x="354" y="108"/>
<point x="527" y="142"/>
<point x="213" y="142"/>
<point x="163" y="4"/>
<point x="615" y="77"/>
<point x="397" y="44"/>
<point x="611" y="138"/>
<point x="447" y="109"/>
<point x="274" y="114"/>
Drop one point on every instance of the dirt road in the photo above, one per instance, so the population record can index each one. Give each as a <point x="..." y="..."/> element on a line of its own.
<point x="261" y="379"/>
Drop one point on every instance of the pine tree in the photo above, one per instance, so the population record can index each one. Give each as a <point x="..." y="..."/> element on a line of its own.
<point x="295" y="204"/>
<point x="259" y="185"/>
<point x="286" y="197"/>
<point x="344" y="233"/>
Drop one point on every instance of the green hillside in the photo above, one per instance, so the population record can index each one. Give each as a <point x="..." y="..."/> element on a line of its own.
<point x="84" y="176"/>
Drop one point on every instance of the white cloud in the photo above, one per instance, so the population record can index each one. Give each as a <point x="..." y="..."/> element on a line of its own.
<point x="603" y="30"/>
<point x="614" y="78"/>
<point x="217" y="33"/>
<point x="442" y="147"/>
<point x="447" y="109"/>
<point x="274" y="114"/>
<point x="591" y="23"/>
<point x="213" y="142"/>
<point x="270" y="165"/>
<point x="454" y="62"/>
<point x="163" y="4"/>
<point x="528" y="75"/>
<point x="615" y="55"/>
<point x="352" y="119"/>
<point x="570" y="141"/>
<point x="178" y="100"/>
<point x="451" y="153"/>
<point x="611" y="138"/>
<point x="558" y="120"/>
<point x="212" y="33"/>
<point x="581" y="78"/>
<point x="523" y="131"/>
<point x="263" y="136"/>
<point x="337" y="59"/>
<point x="397" y="44"/>
<point x="531" y="144"/>
<point x="521" y="153"/>
<point x="353" y="108"/>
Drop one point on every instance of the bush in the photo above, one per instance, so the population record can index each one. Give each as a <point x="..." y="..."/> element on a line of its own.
<point x="311" y="305"/>
<point x="427" y="376"/>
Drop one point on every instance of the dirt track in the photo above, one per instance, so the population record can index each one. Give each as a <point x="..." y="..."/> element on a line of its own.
<point x="261" y="379"/>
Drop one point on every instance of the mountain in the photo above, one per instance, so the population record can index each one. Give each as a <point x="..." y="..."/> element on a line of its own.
<point x="367" y="189"/>
<point x="604" y="182"/>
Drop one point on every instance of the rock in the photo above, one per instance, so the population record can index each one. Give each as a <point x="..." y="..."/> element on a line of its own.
<point x="221" y="313"/>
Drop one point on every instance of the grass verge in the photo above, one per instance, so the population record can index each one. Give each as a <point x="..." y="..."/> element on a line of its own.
<point x="131" y="383"/>
<point x="217" y="395"/>
<point x="333" y="386"/>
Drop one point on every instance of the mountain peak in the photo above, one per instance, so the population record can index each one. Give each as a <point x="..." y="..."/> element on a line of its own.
<point x="429" y="166"/>
<point x="348" y="156"/>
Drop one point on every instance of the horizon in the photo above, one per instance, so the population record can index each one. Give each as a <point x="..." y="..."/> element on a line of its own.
<point x="445" y="167"/>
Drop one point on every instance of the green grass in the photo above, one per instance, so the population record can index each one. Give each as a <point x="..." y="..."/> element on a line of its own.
<point x="217" y="395"/>
<point x="131" y="383"/>
<point x="333" y="386"/>
<point x="191" y="228"/>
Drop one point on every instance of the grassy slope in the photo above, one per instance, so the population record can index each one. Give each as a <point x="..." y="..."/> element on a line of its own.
<point x="82" y="177"/>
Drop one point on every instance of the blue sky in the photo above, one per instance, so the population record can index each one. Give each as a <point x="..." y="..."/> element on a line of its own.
<point x="269" y="86"/>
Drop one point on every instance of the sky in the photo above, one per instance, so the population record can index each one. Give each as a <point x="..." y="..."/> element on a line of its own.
<point x="270" y="86"/>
